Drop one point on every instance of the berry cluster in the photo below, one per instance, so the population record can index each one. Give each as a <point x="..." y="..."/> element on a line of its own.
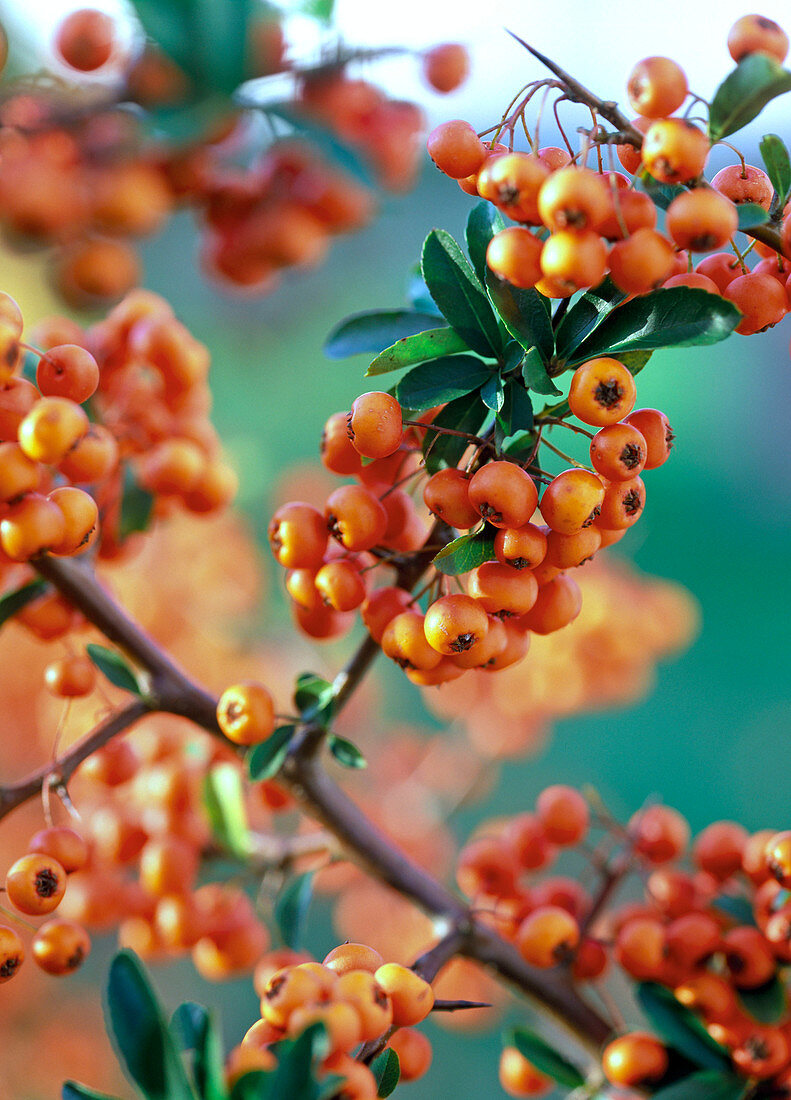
<point x="577" y="225"/>
<point x="688" y="934"/>
<point x="35" y="886"/>
<point x="357" y="996"/>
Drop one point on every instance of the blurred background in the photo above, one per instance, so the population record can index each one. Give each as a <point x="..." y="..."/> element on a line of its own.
<point x="711" y="736"/>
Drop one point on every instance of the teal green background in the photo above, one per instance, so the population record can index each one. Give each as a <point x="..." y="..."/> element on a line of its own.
<point x="713" y="737"/>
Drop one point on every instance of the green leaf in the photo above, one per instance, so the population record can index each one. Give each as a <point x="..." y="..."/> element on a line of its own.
<point x="767" y="1004"/>
<point x="465" y="414"/>
<point x="137" y="506"/>
<point x="115" y="667"/>
<point x="777" y="163"/>
<point x="194" y="1030"/>
<point x="516" y="414"/>
<point x="291" y="909"/>
<point x="73" y="1091"/>
<point x="255" y="1085"/>
<point x="387" y="1072"/>
<point x="586" y="315"/>
<point x="417" y="293"/>
<point x="750" y="214"/>
<point x="314" y="698"/>
<point x="680" y="1027"/>
<point x="519" y="445"/>
<point x="745" y="92"/>
<point x="294" y="1077"/>
<point x="375" y="330"/>
<point x="141" y="1036"/>
<point x="441" y="380"/>
<point x="458" y="292"/>
<point x="661" y="193"/>
<point x="524" y="314"/>
<point x="484" y="222"/>
<point x="545" y="1058"/>
<point x="534" y="372"/>
<point x="465" y="553"/>
<point x="206" y="38"/>
<point x="21" y="597"/>
<point x="705" y="1086"/>
<point x="679" y="317"/>
<point x="737" y="907"/>
<point x="223" y="798"/>
<point x="407" y="351"/>
<point x="345" y="752"/>
<point x="322" y="10"/>
<point x="634" y="361"/>
<point x="493" y="393"/>
<point x="325" y="141"/>
<point x="265" y="760"/>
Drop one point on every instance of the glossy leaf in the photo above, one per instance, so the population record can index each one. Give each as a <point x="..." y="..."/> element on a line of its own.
<point x="679" y="317"/>
<point x="484" y="221"/>
<point x="418" y="296"/>
<point x="137" y="506"/>
<point x="114" y="667"/>
<point x="223" y="800"/>
<point x="662" y="194"/>
<point x="141" y="1036"/>
<point x="374" y="331"/>
<point x="767" y="1004"/>
<point x="459" y="293"/>
<point x="737" y="907"/>
<point x="407" y="351"/>
<point x="586" y="315"/>
<point x="72" y="1091"/>
<point x="465" y="553"/>
<point x="524" y="313"/>
<point x="680" y="1027"/>
<point x="777" y="162"/>
<point x="195" y="1031"/>
<point x="709" y="1085"/>
<point x="441" y="380"/>
<point x="314" y="698"/>
<point x="534" y="373"/>
<point x="465" y="414"/>
<point x="545" y="1058"/>
<point x="295" y="1075"/>
<point x="745" y="92"/>
<point x="265" y="760"/>
<point x="291" y="909"/>
<point x="21" y="597"/>
<point x="750" y="214"/>
<point x="345" y="752"/>
<point x="516" y="415"/>
<point x="255" y="1085"/>
<point x="387" y="1072"/>
<point x="493" y="393"/>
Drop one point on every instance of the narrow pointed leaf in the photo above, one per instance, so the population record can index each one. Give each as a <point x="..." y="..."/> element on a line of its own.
<point x="516" y="415"/>
<point x="223" y="799"/>
<point x="194" y="1029"/>
<point x="709" y="1085"/>
<point x="409" y="350"/>
<point x="524" y="313"/>
<point x="465" y="553"/>
<point x="465" y="414"/>
<point x="21" y="597"/>
<point x="265" y="760"/>
<point x="441" y="380"/>
<point x="115" y="667"/>
<point x="72" y="1091"/>
<point x="545" y="1058"/>
<point x="375" y="330"/>
<point x="345" y="752"/>
<point x="291" y="909"/>
<point x="680" y="1027"/>
<point x="535" y="375"/>
<point x="777" y="162"/>
<point x="458" y="292"/>
<point x="387" y="1072"/>
<point x="679" y="317"/>
<point x="750" y="214"/>
<point x="314" y="698"/>
<point x="586" y="315"/>
<point x="745" y="92"/>
<point x="767" y="1004"/>
<point x="141" y="1035"/>
<point x="484" y="222"/>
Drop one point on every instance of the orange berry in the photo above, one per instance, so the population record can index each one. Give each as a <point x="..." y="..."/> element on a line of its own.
<point x="92" y="458"/>
<point x="446" y="66"/>
<point x="512" y="182"/>
<point x="51" y="429"/>
<point x="632" y="158"/>
<point x="744" y="183"/>
<point x="563" y="814"/>
<point x="675" y="150"/>
<point x="355" y="517"/>
<point x="519" y="1077"/>
<point x="404" y="641"/>
<point x="558" y="603"/>
<point x="547" y="936"/>
<point x="503" y="493"/>
<point x="757" y="34"/>
<point x="246" y="713"/>
<point x="455" y="624"/>
<point x="514" y="254"/>
<point x="762" y="1053"/>
<point x="353" y="956"/>
<point x="63" y="844"/>
<point x="18" y="473"/>
<point x="30" y="527"/>
<point x="12" y="953"/>
<point x="374" y="425"/>
<point x="777" y="857"/>
<point x="622" y="505"/>
<point x="60" y="946"/>
<point x="81" y="518"/>
<point x="572" y="259"/>
<point x="360" y="989"/>
<point x="35" y="884"/>
<point x="298" y="536"/>
<point x="414" y="1053"/>
<point x="173" y="466"/>
<point x="572" y="500"/>
<point x="719" y="848"/>
<point x="659" y="834"/>
<point x="602" y="392"/>
<point x="70" y="678"/>
<point x="655" y="429"/>
<point x="520" y="547"/>
<point x="692" y="938"/>
<point x="701" y="220"/>
<point x="762" y="300"/>
<point x="573" y="198"/>
<point x="456" y="149"/>
<point x="641" y="262"/>
<point x="502" y="590"/>
<point x="618" y="452"/>
<point x="411" y="996"/>
<point x="656" y="87"/>
<point x="749" y="957"/>
<point x="381" y="607"/>
<point x="340" y="585"/>
<point x="640" y="948"/>
<point x="84" y="39"/>
<point x="168" y="865"/>
<point x="446" y="495"/>
<point x="337" y="452"/>
<point x="287" y="990"/>
<point x="67" y="371"/>
<point x="634" y="1059"/>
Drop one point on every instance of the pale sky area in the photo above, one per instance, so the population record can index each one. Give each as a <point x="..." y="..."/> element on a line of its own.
<point x="597" y="43"/>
